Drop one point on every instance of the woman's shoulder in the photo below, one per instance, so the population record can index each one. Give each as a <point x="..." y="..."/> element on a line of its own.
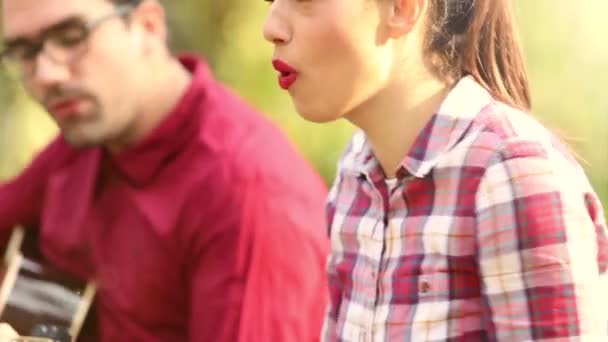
<point x="512" y="139"/>
<point x="514" y="133"/>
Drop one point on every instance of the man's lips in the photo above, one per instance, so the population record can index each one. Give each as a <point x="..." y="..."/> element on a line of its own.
<point x="64" y="109"/>
<point x="288" y="75"/>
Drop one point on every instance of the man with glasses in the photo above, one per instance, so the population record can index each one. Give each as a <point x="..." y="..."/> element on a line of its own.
<point x="191" y="212"/>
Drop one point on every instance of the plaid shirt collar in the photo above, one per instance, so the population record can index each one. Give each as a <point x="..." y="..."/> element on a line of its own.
<point x="457" y="112"/>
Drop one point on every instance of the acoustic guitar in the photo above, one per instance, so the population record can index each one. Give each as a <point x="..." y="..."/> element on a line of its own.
<point x="8" y="334"/>
<point x="37" y="299"/>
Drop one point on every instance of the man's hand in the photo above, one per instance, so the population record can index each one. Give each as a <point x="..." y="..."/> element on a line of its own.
<point x="7" y="333"/>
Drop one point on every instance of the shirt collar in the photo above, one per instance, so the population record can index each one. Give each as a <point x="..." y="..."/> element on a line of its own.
<point x="443" y="131"/>
<point x="140" y="163"/>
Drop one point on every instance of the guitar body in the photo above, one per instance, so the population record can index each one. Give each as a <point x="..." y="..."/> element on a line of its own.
<point x="32" y="293"/>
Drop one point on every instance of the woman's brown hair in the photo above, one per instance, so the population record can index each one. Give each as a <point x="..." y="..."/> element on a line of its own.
<point x="478" y="38"/>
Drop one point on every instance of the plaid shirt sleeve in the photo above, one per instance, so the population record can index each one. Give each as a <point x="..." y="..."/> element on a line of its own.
<point x="542" y="247"/>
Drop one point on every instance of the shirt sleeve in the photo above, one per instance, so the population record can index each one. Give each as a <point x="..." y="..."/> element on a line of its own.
<point x="259" y="270"/>
<point x="542" y="249"/>
<point x="21" y="198"/>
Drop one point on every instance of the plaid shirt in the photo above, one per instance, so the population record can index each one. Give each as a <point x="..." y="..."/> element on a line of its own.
<point x="491" y="233"/>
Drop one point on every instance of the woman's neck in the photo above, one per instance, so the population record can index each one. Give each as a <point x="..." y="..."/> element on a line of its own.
<point x="394" y="117"/>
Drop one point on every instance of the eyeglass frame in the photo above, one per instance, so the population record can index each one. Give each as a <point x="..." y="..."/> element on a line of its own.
<point x="38" y="45"/>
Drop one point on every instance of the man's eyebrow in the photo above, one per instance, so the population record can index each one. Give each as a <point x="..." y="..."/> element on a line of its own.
<point x="9" y="42"/>
<point x="66" y="22"/>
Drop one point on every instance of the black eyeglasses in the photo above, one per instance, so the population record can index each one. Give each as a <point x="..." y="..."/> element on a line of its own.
<point x="63" y="43"/>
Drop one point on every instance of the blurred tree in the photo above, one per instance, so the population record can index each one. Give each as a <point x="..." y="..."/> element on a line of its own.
<point x="24" y="127"/>
<point x="7" y="87"/>
<point x="205" y="33"/>
<point x="564" y="42"/>
<point x="568" y="64"/>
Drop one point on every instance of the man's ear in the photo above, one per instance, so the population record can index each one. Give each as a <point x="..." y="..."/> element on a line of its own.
<point x="150" y="15"/>
<point x="404" y="15"/>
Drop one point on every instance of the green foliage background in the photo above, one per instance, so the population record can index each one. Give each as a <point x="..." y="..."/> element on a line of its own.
<point x="565" y="44"/>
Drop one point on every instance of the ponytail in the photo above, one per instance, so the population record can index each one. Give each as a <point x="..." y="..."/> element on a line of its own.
<point x="478" y="38"/>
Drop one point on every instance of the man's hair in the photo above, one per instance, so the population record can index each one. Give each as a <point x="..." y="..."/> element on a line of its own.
<point x="126" y="2"/>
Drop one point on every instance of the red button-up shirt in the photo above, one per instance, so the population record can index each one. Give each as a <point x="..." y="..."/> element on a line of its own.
<point x="210" y="229"/>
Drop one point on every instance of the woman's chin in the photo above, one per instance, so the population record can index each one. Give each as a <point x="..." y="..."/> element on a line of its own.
<point x="316" y="114"/>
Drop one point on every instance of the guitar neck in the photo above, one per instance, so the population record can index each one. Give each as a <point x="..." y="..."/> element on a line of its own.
<point x="29" y="339"/>
<point x="35" y="294"/>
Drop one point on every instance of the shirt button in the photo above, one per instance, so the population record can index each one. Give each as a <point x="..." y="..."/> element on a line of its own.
<point x="435" y="247"/>
<point x="425" y="287"/>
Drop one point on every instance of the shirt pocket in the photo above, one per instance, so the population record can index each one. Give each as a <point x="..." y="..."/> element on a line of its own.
<point x="433" y="287"/>
<point x="448" y="296"/>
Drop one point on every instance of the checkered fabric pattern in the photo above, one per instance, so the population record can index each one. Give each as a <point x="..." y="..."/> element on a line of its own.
<point x="492" y="232"/>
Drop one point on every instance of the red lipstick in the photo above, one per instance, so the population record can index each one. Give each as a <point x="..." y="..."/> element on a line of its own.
<point x="288" y="75"/>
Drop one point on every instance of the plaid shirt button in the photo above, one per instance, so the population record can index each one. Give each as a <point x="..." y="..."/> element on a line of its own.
<point x="425" y="287"/>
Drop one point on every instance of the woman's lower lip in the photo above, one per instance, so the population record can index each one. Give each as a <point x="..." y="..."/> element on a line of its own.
<point x="287" y="80"/>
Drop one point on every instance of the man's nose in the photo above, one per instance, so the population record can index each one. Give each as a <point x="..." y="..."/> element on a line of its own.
<point x="47" y="71"/>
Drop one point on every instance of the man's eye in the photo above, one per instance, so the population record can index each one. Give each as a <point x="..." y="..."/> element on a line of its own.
<point x="69" y="37"/>
<point x="23" y="52"/>
<point x="29" y="52"/>
<point x="295" y="0"/>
